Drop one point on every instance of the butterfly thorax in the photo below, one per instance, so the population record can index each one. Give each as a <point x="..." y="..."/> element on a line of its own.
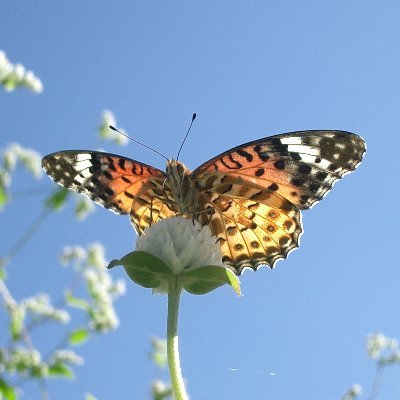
<point x="182" y="188"/>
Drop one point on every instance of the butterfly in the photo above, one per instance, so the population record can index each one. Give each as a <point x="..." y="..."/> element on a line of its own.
<point x="250" y="196"/>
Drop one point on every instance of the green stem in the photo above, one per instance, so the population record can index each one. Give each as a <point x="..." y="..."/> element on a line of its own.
<point x="174" y="292"/>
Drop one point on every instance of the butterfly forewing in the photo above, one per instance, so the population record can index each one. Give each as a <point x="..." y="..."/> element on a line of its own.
<point x="300" y="166"/>
<point x="117" y="183"/>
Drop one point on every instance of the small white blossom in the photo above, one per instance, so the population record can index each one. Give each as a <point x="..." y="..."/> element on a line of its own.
<point x="383" y="349"/>
<point x="181" y="243"/>
<point x="41" y="305"/>
<point x="160" y="388"/>
<point x="104" y="320"/>
<point x="15" y="153"/>
<point x="91" y="262"/>
<point x="73" y="255"/>
<point x="96" y="255"/>
<point x="13" y="76"/>
<point x="118" y="288"/>
<point x="354" y="392"/>
<point x="68" y="356"/>
<point x="105" y="132"/>
<point x="5" y="66"/>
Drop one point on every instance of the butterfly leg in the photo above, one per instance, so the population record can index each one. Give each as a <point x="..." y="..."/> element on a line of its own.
<point x="166" y="195"/>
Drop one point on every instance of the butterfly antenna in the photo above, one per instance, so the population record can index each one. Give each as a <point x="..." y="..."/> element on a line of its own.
<point x="137" y="141"/>
<point x="187" y="133"/>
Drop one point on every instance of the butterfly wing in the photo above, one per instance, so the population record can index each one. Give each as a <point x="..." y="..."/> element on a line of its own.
<point x="258" y="189"/>
<point x="254" y="226"/>
<point x="300" y="166"/>
<point x="120" y="184"/>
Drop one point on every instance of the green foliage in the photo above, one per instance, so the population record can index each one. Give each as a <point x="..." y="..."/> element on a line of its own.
<point x="58" y="199"/>
<point x="205" y="279"/>
<point x="60" y="370"/>
<point x="17" y="316"/>
<point x="7" y="392"/>
<point x="79" y="336"/>
<point x="75" y="302"/>
<point x="3" y="197"/>
<point x="150" y="271"/>
<point x="90" y="397"/>
<point x="144" y="269"/>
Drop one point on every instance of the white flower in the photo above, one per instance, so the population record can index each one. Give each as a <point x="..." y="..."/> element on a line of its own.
<point x="66" y="356"/>
<point x="105" y="132"/>
<point x="383" y="349"/>
<point x="354" y="392"/>
<point x="181" y="243"/>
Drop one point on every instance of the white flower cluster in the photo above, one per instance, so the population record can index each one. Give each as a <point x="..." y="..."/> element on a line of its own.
<point x="22" y="360"/>
<point x="13" y="76"/>
<point x="29" y="362"/>
<point x="90" y="262"/>
<point x="65" y="356"/>
<point x="181" y="243"/>
<point x="38" y="305"/>
<point x="354" y="392"/>
<point x="41" y="305"/>
<point x="106" y="133"/>
<point x="383" y="349"/>
<point x="15" y="153"/>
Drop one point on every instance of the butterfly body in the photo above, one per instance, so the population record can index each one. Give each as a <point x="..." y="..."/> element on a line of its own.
<point x="249" y="196"/>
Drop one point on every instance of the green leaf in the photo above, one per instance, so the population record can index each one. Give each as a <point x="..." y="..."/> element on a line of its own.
<point x="16" y="323"/>
<point x="57" y="199"/>
<point x="75" y="302"/>
<point x="7" y="391"/>
<point x="3" y="197"/>
<point x="78" y="337"/>
<point x="60" y="369"/>
<point x="144" y="269"/>
<point x="89" y="396"/>
<point x="205" y="279"/>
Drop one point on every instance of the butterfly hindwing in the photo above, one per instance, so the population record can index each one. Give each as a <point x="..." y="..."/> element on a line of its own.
<point x="117" y="183"/>
<point x="254" y="226"/>
<point x="300" y="166"/>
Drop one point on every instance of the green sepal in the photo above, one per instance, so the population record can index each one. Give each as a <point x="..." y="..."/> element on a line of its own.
<point x="144" y="269"/>
<point x="78" y="336"/>
<point x="205" y="279"/>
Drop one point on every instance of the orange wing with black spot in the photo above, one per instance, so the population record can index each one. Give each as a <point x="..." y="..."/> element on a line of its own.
<point x="258" y="189"/>
<point x="120" y="184"/>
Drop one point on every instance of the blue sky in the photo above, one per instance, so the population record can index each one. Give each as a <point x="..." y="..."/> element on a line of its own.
<point x="249" y="70"/>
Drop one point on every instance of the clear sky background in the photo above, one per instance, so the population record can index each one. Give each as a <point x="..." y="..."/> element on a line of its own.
<point x="249" y="69"/>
